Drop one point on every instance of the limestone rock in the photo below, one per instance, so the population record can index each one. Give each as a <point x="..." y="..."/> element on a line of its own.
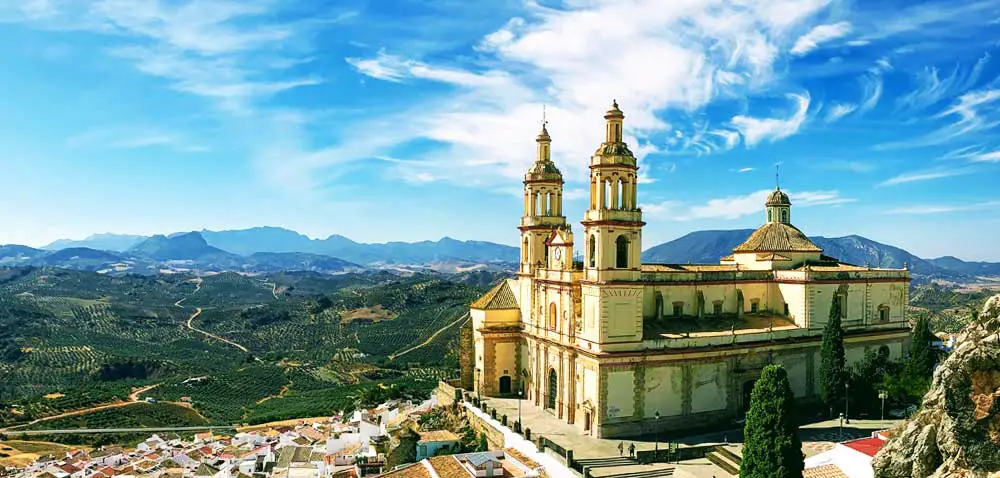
<point x="956" y="432"/>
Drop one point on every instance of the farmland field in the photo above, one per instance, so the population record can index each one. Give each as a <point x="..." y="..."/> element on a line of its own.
<point x="261" y="348"/>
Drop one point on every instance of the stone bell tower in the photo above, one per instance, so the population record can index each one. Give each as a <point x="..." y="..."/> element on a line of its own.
<point x="613" y="222"/>
<point x="543" y="213"/>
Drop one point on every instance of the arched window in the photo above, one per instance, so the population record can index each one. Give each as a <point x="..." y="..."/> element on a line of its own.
<point x="621" y="248"/>
<point x="784" y="215"/>
<point x="553" y="316"/>
<point x="769" y="214"/>
<point x="883" y="313"/>
<point x="607" y="194"/>
<point x="593" y="250"/>
<point x="621" y="194"/>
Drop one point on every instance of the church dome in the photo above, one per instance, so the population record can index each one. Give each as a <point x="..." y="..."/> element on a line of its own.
<point x="778" y="198"/>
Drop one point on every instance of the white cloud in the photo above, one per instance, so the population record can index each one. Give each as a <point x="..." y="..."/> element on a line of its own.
<point x="733" y="207"/>
<point x="871" y="84"/>
<point x="839" y="110"/>
<point x="932" y="87"/>
<point x="818" y="35"/>
<point x="744" y="170"/>
<point x="944" y="208"/>
<point x="757" y="130"/>
<point x="570" y="60"/>
<point x="925" y="175"/>
<point x="972" y="112"/>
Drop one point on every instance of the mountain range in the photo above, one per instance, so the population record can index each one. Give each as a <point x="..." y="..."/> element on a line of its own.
<point x="264" y="249"/>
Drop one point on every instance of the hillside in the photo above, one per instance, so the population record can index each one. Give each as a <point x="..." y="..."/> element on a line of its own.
<point x="182" y="247"/>
<point x="72" y="339"/>
<point x="103" y="242"/>
<point x="710" y="246"/>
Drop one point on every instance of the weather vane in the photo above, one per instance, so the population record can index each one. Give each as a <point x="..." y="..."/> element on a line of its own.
<point x="777" y="181"/>
<point x="544" y="121"/>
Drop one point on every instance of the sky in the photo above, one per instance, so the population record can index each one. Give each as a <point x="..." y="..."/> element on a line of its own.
<point x="385" y="120"/>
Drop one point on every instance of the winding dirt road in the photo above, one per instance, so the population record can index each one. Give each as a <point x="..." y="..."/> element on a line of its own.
<point x="133" y="399"/>
<point x="430" y="339"/>
<point x="197" y="312"/>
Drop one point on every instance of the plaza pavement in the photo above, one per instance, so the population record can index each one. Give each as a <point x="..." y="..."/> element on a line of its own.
<point x="816" y="437"/>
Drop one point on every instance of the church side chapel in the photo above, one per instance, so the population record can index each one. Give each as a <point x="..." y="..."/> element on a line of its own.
<point x="621" y="348"/>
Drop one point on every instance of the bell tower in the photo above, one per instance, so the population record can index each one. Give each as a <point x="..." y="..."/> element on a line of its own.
<point x="543" y="189"/>
<point x="613" y="223"/>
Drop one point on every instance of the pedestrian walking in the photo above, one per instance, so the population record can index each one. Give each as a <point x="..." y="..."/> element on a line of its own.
<point x="621" y="448"/>
<point x="631" y="450"/>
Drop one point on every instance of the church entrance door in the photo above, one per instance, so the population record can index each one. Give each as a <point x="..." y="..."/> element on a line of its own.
<point x="586" y="421"/>
<point x="553" y="389"/>
<point x="505" y="385"/>
<point x="747" y="391"/>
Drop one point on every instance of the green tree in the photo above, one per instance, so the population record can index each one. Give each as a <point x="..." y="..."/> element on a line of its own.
<point x="484" y="445"/>
<point x="772" y="448"/>
<point x="923" y="355"/>
<point x="832" y="369"/>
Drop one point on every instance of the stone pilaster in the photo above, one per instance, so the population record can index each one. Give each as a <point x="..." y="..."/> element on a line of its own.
<point x="639" y="391"/>
<point x="571" y="406"/>
<point x="687" y="386"/>
<point x="561" y="392"/>
<point x="538" y="372"/>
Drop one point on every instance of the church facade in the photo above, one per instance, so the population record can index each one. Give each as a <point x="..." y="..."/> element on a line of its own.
<point x="619" y="348"/>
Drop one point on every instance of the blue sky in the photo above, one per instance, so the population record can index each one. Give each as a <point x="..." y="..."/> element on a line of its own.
<point x="415" y="119"/>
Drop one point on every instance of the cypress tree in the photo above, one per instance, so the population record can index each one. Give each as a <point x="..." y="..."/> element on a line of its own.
<point x="772" y="448"/>
<point x="923" y="356"/>
<point x="832" y="368"/>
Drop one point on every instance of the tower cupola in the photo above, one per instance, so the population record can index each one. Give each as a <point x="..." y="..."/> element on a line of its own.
<point x="778" y="207"/>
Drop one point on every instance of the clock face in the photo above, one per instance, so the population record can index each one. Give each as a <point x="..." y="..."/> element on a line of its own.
<point x="558" y="254"/>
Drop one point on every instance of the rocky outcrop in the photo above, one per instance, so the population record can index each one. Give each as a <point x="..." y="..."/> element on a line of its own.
<point x="956" y="432"/>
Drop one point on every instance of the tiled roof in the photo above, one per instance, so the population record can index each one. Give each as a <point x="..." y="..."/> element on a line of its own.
<point x="777" y="237"/>
<point x="416" y="470"/>
<point x="498" y="298"/>
<point x="448" y="466"/>
<point x="438" y="435"/>
<point x="825" y="471"/>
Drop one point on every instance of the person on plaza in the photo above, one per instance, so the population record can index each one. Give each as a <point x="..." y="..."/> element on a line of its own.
<point x="631" y="450"/>
<point x="621" y="448"/>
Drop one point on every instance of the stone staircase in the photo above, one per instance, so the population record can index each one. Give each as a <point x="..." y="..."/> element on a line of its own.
<point x="724" y="458"/>
<point x="588" y="466"/>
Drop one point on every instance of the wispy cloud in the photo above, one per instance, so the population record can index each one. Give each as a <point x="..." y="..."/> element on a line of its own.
<point x="744" y="170"/>
<point x="932" y="87"/>
<point x="818" y="35"/>
<point x="757" y="130"/>
<point x="871" y="84"/>
<point x="134" y="137"/>
<point x="926" y="175"/>
<point x="971" y="112"/>
<point x="734" y="207"/>
<point x="839" y="110"/>
<point x="944" y="208"/>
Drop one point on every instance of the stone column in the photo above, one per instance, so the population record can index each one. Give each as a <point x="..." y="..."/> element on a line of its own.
<point x="687" y="384"/>
<point x="561" y="392"/>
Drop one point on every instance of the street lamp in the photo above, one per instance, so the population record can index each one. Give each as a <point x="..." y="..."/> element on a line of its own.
<point x="520" y="392"/>
<point x="883" y="395"/>
<point x="847" y="394"/>
<point x="841" y="427"/>
<point x="656" y="436"/>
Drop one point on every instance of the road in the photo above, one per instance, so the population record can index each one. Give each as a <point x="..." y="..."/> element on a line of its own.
<point x="429" y="339"/>
<point x="114" y="430"/>
<point x="195" y="315"/>
<point x="133" y="399"/>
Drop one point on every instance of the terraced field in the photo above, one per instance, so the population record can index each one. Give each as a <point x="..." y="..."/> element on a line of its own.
<point x="71" y="340"/>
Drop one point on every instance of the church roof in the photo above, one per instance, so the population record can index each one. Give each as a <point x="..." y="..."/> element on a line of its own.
<point x="499" y="297"/>
<point x="778" y="198"/>
<point x="777" y="237"/>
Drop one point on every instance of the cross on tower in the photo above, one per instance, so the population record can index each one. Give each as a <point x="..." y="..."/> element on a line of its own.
<point x="544" y="121"/>
<point x="777" y="182"/>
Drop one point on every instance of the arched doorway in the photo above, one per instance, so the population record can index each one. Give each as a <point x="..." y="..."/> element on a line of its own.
<point x="553" y="389"/>
<point x="747" y="392"/>
<point x="505" y="387"/>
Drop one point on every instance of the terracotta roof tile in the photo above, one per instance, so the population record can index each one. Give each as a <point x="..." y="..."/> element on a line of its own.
<point x="416" y="470"/>
<point x="448" y="466"/>
<point x="500" y="297"/>
<point x="777" y="237"/>
<point x="825" y="471"/>
<point x="438" y="435"/>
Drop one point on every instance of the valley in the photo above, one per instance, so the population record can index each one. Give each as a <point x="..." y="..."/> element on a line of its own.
<point x="88" y="350"/>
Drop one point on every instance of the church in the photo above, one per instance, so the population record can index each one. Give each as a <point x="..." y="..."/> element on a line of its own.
<point x="621" y="348"/>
